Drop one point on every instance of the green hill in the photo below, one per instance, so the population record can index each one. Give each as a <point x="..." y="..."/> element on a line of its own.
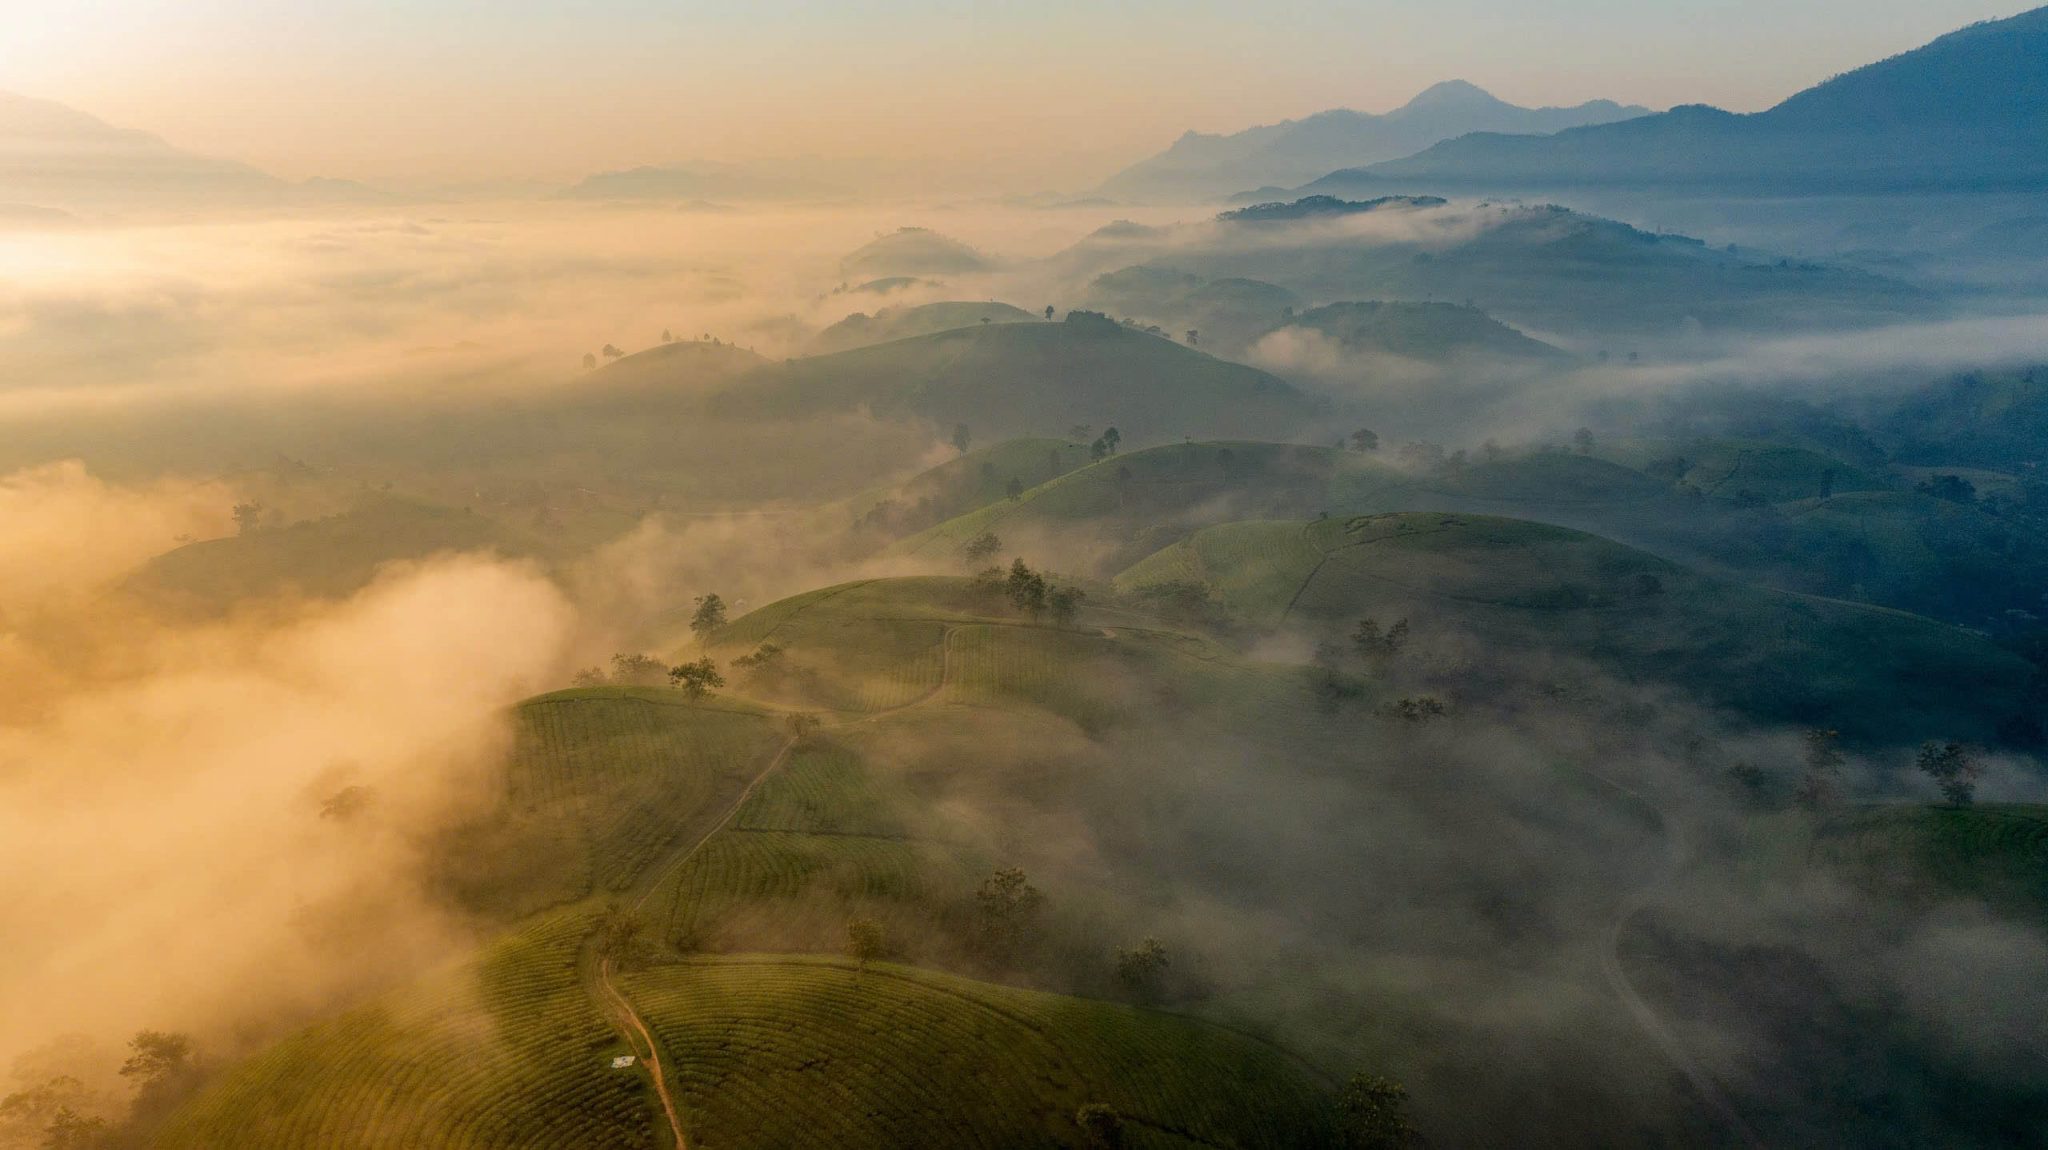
<point x="1430" y="332"/>
<point x="891" y="323"/>
<point x="1997" y="852"/>
<point x="1524" y="588"/>
<point x="1026" y="379"/>
<point x="327" y="557"/>
<point x="810" y="1052"/>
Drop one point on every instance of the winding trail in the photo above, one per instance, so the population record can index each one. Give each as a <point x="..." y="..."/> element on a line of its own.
<point x="627" y="1019"/>
<point x="1639" y="1009"/>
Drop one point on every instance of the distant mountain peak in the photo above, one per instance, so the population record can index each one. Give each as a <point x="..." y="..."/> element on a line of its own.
<point x="1452" y="94"/>
<point x="1208" y="165"/>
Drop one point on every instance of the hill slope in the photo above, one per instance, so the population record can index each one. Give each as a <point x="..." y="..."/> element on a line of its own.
<point x="1523" y="588"/>
<point x="1024" y="379"/>
<point x="892" y="323"/>
<point x="1203" y="165"/>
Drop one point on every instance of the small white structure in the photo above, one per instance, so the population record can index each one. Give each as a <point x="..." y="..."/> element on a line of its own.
<point x="623" y="1061"/>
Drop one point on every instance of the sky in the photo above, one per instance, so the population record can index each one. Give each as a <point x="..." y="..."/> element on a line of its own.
<point x="1055" y="94"/>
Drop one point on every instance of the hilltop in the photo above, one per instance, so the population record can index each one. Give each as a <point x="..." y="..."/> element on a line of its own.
<point x="1021" y="379"/>
<point x="1200" y="165"/>
<point x="892" y="323"/>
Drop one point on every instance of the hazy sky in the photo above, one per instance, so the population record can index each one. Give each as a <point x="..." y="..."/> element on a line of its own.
<point x="1053" y="93"/>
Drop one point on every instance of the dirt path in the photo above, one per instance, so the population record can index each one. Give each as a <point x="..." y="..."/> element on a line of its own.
<point x="615" y="1001"/>
<point x="1639" y="1009"/>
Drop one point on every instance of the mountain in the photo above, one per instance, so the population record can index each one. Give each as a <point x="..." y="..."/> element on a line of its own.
<point x="56" y="157"/>
<point x="1200" y="165"/>
<point x="1968" y="112"/>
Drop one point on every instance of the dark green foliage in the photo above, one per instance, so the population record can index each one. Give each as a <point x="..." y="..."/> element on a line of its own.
<point x="1008" y="907"/>
<point x="1102" y="1128"/>
<point x="1063" y="603"/>
<point x="1141" y="969"/>
<point x="865" y="940"/>
<point x="637" y="671"/>
<point x="1953" y="767"/>
<point x="1376" y="646"/>
<point x="982" y="548"/>
<point x="1373" y="1113"/>
<point x="710" y="615"/>
<point x="1026" y="589"/>
<point x="697" y="679"/>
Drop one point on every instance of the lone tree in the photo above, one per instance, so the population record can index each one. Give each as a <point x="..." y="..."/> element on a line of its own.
<point x="1140" y="969"/>
<point x="1194" y="338"/>
<point x="611" y="352"/>
<point x="1048" y="311"/>
<point x="1582" y="441"/>
<point x="961" y="438"/>
<point x="1014" y="488"/>
<point x="1063" y="603"/>
<point x="667" y="336"/>
<point x="1821" y="786"/>
<point x="1102" y="1128"/>
<point x="1009" y="907"/>
<point x="1953" y="767"/>
<point x="982" y="548"/>
<point x="589" y="362"/>
<point x="1373" y="1114"/>
<point x="1365" y="439"/>
<point x="1026" y="589"/>
<point x="865" y="940"/>
<point x="248" y="518"/>
<point x="710" y="616"/>
<point x="697" y="679"/>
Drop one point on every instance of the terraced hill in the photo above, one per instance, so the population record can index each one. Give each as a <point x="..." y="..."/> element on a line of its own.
<point x="1522" y="589"/>
<point x="508" y="1051"/>
<point x="810" y="1052"/>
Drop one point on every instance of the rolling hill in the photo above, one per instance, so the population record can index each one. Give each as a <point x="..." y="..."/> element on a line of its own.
<point x="1201" y="165"/>
<point x="1963" y="113"/>
<point x="1525" y="590"/>
<point x="1026" y="379"/>
<point x="1426" y="332"/>
<point x="913" y="252"/>
<point x="892" y="323"/>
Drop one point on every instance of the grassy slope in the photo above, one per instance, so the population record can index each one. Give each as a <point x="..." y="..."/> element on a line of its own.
<point x="1524" y="587"/>
<point x="1026" y="379"/>
<point x="325" y="557"/>
<point x="507" y="1051"/>
<point x="892" y="323"/>
<point x="792" y="1052"/>
<point x="1997" y="852"/>
<point x="601" y="782"/>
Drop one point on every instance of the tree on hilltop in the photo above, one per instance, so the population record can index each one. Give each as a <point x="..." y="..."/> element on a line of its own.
<point x="710" y="616"/>
<point x="1953" y="767"/>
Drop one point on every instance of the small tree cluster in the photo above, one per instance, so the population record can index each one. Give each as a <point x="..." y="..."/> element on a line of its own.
<point x="981" y="548"/>
<point x="1373" y="1114"/>
<point x="637" y="670"/>
<point x="1953" y="767"/>
<point x="1376" y="646"/>
<point x="1141" y="969"/>
<point x="697" y="679"/>
<point x="1365" y="439"/>
<point x="248" y="518"/>
<point x="621" y="936"/>
<point x="1008" y="907"/>
<point x="1417" y="710"/>
<point x="1105" y="445"/>
<point x="865" y="940"/>
<point x="763" y="662"/>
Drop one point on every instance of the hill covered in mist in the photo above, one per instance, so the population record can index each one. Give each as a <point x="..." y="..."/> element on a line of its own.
<point x="1963" y="113"/>
<point x="1201" y="165"/>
